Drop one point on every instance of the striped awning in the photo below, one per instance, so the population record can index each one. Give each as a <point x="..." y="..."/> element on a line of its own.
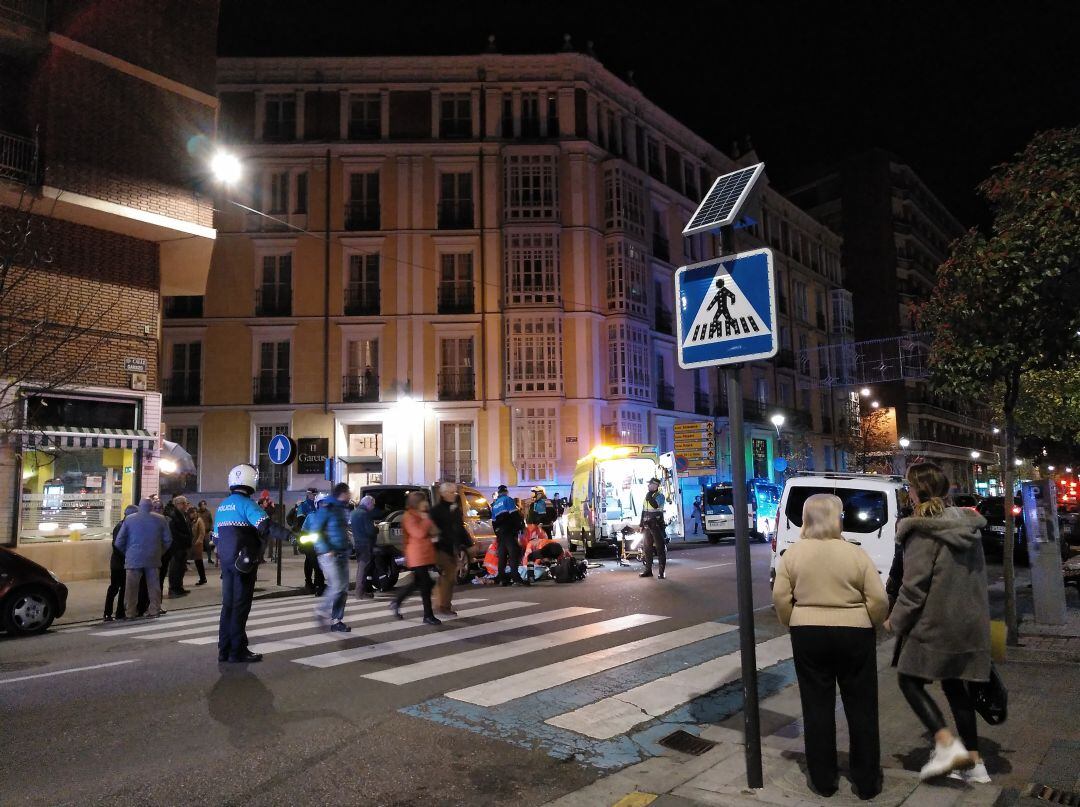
<point x="75" y="437"/>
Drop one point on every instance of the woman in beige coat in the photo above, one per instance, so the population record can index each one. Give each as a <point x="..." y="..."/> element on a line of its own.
<point x="829" y="594"/>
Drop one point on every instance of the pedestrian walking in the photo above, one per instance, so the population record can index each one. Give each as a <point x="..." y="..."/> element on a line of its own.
<point x="829" y="595"/>
<point x="364" y="536"/>
<point x="180" y="526"/>
<point x="117" y="574"/>
<point x="420" y="536"/>
<point x="508" y="524"/>
<point x="208" y="521"/>
<point x="942" y="619"/>
<point x="240" y="529"/>
<point x="329" y="525"/>
<point x="198" y="543"/>
<point x="454" y="538"/>
<point x="695" y="515"/>
<point x="143" y="538"/>
<point x="652" y="524"/>
<point x="314" y="582"/>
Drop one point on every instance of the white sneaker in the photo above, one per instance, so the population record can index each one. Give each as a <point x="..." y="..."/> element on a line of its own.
<point x="976" y="775"/>
<point x="945" y="759"/>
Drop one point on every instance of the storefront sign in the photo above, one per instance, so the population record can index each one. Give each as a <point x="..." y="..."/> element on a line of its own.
<point x="571" y="439"/>
<point x="311" y="455"/>
<point x="134" y="364"/>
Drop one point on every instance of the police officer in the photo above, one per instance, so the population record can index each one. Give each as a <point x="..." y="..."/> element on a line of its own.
<point x="241" y="528"/>
<point x="541" y="511"/>
<point x="508" y="524"/>
<point x="652" y="522"/>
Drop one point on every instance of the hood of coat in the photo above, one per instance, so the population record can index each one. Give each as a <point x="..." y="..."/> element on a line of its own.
<point x="145" y="506"/>
<point x="957" y="526"/>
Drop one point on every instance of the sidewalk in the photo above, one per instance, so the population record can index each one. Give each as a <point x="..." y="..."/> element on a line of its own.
<point x="86" y="598"/>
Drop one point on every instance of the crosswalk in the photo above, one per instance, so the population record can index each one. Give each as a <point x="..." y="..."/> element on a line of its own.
<point x="601" y="696"/>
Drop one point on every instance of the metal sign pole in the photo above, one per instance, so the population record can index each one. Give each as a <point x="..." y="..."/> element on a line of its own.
<point x="281" y="518"/>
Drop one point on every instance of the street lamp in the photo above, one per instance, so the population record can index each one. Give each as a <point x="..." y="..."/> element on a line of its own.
<point x="996" y="430"/>
<point x="904" y="443"/>
<point x="1050" y="467"/>
<point x="974" y="455"/>
<point x="865" y="392"/>
<point x="777" y="420"/>
<point x="1018" y="462"/>
<point x="875" y="404"/>
<point x="225" y="167"/>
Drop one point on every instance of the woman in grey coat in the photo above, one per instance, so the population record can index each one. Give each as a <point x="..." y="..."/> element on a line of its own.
<point x="942" y="618"/>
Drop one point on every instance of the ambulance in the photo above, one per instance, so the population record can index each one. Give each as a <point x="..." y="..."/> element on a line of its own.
<point x="608" y="491"/>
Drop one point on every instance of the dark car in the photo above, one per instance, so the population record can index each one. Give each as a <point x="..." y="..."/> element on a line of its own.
<point x="968" y="500"/>
<point x="992" y="509"/>
<point x="31" y="596"/>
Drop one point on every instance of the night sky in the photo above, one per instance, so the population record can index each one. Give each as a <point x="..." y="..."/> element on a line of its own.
<point x="952" y="88"/>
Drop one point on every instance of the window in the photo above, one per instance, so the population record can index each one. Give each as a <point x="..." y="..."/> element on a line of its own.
<point x="663" y="439"/>
<point x="803" y="359"/>
<point x="300" y="204"/>
<point x="652" y="150"/>
<point x="361" y="381"/>
<point x="531" y="188"/>
<point x="819" y="301"/>
<point x="842" y="316"/>
<point x="624" y="202"/>
<point x="865" y="511"/>
<point x="362" y="285"/>
<point x="279" y="192"/>
<point x="507" y="115"/>
<point x="273" y="298"/>
<point x="532" y="268"/>
<point x="365" y="116"/>
<point x="802" y="307"/>
<point x="456" y="283"/>
<point x="456" y="451"/>
<point x="536" y="431"/>
<point x="269" y="474"/>
<point x="362" y="210"/>
<point x="625" y="277"/>
<point x="628" y="361"/>
<point x="187" y="437"/>
<point x="629" y="426"/>
<point x="184" y="384"/>
<point x="660" y="236"/>
<point x="783" y="392"/>
<point x="553" y="114"/>
<point x="279" y="117"/>
<point x="690" y="186"/>
<point x="455" y="201"/>
<point x="530" y="114"/>
<point x="272" y="381"/>
<point x="455" y="115"/>
<point x="785" y="337"/>
<point x="761" y="391"/>
<point x="533" y="355"/>
<point x="457" y="381"/>
<point x="830" y="463"/>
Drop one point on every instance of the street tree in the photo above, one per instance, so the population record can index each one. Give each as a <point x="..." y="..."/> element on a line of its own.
<point x="866" y="437"/>
<point x="1004" y="307"/>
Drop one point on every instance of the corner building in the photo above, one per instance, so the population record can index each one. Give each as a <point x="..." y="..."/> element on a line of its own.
<point x="461" y="268"/>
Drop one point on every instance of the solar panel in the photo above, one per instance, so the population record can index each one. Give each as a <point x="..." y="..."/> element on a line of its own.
<point x="721" y="204"/>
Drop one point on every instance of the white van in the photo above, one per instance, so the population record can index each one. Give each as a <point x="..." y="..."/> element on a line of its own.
<point x="873" y="503"/>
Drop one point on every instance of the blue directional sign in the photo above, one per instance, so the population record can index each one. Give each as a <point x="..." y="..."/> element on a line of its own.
<point x="726" y="310"/>
<point x="282" y="449"/>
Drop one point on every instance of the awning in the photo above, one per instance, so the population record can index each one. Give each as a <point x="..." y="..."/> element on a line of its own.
<point x="74" y="437"/>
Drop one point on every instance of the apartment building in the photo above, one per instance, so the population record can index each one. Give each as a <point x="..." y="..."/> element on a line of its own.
<point x="99" y="117"/>
<point x="896" y="233"/>
<point x="461" y="268"/>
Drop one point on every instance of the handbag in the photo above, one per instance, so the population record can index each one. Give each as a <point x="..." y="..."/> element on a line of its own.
<point x="991" y="698"/>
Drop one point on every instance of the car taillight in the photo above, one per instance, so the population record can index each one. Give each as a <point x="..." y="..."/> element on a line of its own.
<point x="1017" y="509"/>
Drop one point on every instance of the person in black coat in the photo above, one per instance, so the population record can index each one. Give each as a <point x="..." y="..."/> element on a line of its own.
<point x="180" y="527"/>
<point x="117" y="574"/>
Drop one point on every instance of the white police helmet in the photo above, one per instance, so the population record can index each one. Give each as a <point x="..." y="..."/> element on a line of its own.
<point x="244" y="476"/>
<point x="320" y="498"/>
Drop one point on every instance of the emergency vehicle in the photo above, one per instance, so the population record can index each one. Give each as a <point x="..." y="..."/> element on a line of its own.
<point x="762" y="498"/>
<point x="608" y="492"/>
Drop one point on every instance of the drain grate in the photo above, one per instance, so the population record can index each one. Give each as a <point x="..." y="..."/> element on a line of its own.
<point x="687" y="743"/>
<point x="1053" y="795"/>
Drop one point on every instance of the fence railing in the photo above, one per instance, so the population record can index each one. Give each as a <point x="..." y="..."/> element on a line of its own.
<point x="359" y="388"/>
<point x="18" y="157"/>
<point x="457" y="385"/>
<point x="270" y="388"/>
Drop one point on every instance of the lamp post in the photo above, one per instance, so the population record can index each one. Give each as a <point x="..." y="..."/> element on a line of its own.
<point x="226" y="168"/>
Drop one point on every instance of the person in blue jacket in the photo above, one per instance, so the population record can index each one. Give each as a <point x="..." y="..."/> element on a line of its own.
<point x="508" y="524"/>
<point x="365" y="536"/>
<point x="143" y="538"/>
<point x="240" y="529"/>
<point x="329" y="523"/>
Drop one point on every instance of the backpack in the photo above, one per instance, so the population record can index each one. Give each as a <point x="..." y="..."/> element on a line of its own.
<point x="569" y="570"/>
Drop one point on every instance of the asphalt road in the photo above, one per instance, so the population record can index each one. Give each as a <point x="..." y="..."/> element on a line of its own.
<point x="164" y="723"/>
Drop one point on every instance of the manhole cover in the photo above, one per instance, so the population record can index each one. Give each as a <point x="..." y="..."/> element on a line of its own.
<point x="1053" y="795"/>
<point x="687" y="743"/>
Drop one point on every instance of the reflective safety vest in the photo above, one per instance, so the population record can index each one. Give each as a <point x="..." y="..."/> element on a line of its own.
<point x="654" y="505"/>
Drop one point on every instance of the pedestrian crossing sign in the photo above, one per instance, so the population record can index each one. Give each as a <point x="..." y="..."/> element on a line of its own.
<point x="726" y="310"/>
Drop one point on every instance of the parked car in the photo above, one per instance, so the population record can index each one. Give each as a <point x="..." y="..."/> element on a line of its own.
<point x="872" y="505"/>
<point x="969" y="500"/>
<point x="992" y="509"/>
<point x="31" y="596"/>
<point x="476" y="508"/>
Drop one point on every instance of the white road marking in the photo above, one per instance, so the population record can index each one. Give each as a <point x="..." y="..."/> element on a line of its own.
<point x="439" y="637"/>
<point x="486" y="655"/>
<point x="393" y="626"/>
<point x="165" y="622"/>
<point x="373" y="613"/>
<point x="713" y="566"/>
<point x="618" y="714"/>
<point x="68" y="671"/>
<point x="503" y="690"/>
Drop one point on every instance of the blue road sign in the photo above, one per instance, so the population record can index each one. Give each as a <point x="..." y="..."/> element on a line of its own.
<point x="726" y="310"/>
<point x="282" y="449"/>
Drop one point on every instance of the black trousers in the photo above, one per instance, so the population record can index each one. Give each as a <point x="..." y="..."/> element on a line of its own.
<point x="237" y="591"/>
<point x="655" y="544"/>
<point x="420" y="581"/>
<point x="959" y="697"/>
<point x="117" y="579"/>
<point x="177" y="568"/>
<point x="200" y="568"/>
<point x="509" y="553"/>
<point x="312" y="569"/>
<point x="824" y="658"/>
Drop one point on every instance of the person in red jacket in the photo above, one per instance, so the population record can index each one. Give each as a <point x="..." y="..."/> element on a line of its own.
<point x="419" y="535"/>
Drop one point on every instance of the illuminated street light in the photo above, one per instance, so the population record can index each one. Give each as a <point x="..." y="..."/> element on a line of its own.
<point x="996" y="430"/>
<point x="1049" y="467"/>
<point x="865" y="392"/>
<point x="777" y="420"/>
<point x="225" y="167"/>
<point x="974" y="455"/>
<point x="875" y="404"/>
<point x="904" y="443"/>
<point x="1018" y="462"/>
<point x="1068" y="470"/>
<point x="166" y="465"/>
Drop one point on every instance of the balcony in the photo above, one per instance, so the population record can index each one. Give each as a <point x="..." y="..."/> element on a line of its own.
<point x="754" y="410"/>
<point x="182" y="390"/>
<point x="663" y="319"/>
<point x="793" y="418"/>
<point x="365" y="129"/>
<point x="18" y="155"/>
<point x="665" y="395"/>
<point x="456" y="214"/>
<point x="660" y="247"/>
<point x="843" y="327"/>
<point x="270" y="388"/>
<point x="273" y="301"/>
<point x="360" y="388"/>
<point x="362" y="300"/>
<point x="457" y="385"/>
<point x="362" y="215"/>
<point x="455" y="469"/>
<point x="720" y="410"/>
<point x="456" y="298"/>
<point x="184" y="307"/>
<point x="786" y="358"/>
<point x="702" y="403"/>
